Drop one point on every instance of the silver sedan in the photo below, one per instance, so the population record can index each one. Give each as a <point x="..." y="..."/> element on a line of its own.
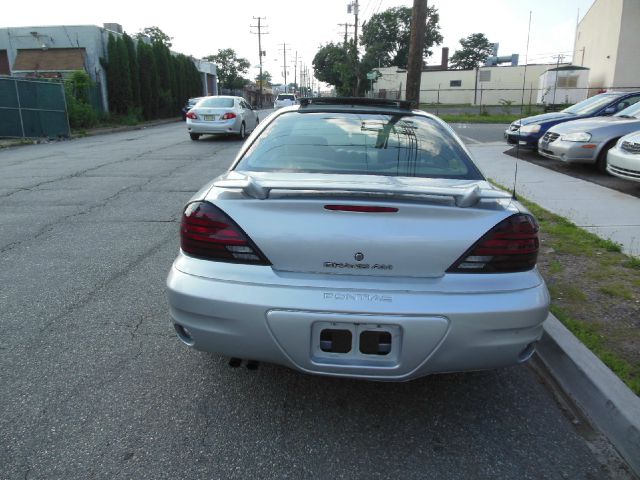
<point x="357" y="238"/>
<point x="221" y="115"/>
<point x="588" y="140"/>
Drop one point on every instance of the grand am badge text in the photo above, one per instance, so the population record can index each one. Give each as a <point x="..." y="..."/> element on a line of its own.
<point x="357" y="297"/>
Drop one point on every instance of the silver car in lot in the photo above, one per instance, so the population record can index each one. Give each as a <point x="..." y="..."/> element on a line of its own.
<point x="221" y="115"/>
<point x="623" y="159"/>
<point x="588" y="140"/>
<point x="356" y="238"/>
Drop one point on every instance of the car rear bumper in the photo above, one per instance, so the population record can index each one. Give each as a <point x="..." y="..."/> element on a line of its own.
<point x="219" y="126"/>
<point x="623" y="165"/>
<point x="569" y="152"/>
<point x="430" y="332"/>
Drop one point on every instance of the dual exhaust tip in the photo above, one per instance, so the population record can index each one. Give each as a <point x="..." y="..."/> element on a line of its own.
<point x="185" y="336"/>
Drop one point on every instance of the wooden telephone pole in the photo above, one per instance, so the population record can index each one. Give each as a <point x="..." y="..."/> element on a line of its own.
<point x="414" y="69"/>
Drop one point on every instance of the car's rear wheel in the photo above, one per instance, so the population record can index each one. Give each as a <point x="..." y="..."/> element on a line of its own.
<point x="243" y="132"/>
<point x="194" y="136"/>
<point x="601" y="162"/>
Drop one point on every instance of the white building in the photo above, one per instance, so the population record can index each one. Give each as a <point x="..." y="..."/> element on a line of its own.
<point x="483" y="85"/>
<point x="54" y="51"/>
<point x="608" y="43"/>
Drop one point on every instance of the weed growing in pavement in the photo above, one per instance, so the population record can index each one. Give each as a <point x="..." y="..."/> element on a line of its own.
<point x="593" y="340"/>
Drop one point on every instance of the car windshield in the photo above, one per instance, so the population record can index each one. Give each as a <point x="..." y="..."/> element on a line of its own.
<point x="359" y="143"/>
<point x="285" y="97"/>
<point x="216" y="102"/>
<point x="591" y="105"/>
<point x="632" y="111"/>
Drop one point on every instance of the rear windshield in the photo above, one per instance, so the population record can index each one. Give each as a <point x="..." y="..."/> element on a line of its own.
<point x="282" y="96"/>
<point x="591" y="105"/>
<point x="358" y="143"/>
<point x="216" y="102"/>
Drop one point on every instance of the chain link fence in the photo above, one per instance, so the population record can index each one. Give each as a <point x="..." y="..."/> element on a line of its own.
<point x="498" y="100"/>
<point x="32" y="108"/>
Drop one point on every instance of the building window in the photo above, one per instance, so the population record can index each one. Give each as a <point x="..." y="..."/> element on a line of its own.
<point x="569" y="81"/>
<point x="455" y="83"/>
<point x="485" y="76"/>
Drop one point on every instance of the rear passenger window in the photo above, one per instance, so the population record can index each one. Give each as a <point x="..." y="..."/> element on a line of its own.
<point x="370" y="144"/>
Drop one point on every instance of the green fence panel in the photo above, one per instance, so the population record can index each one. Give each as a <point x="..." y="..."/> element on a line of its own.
<point x="8" y="94"/>
<point x="42" y="123"/>
<point x="41" y="95"/>
<point x="10" y="123"/>
<point x="32" y="108"/>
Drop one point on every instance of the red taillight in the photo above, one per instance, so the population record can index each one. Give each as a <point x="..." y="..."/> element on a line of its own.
<point x="510" y="246"/>
<point x="228" y="116"/>
<point x="192" y="116"/>
<point x="361" y="208"/>
<point x="206" y="232"/>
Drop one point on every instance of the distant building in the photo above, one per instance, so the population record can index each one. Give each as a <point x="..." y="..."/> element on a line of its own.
<point x="56" y="51"/>
<point x="483" y="85"/>
<point x="608" y="43"/>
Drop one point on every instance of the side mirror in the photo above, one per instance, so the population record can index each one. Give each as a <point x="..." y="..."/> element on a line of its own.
<point x="610" y="110"/>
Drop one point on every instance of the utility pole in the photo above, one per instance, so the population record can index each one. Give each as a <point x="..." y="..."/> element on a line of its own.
<point x="355" y="8"/>
<point x="261" y="53"/>
<point x="295" y="71"/>
<point x="346" y="27"/>
<point x="284" y="54"/>
<point x="414" y="69"/>
<point x="559" y="57"/>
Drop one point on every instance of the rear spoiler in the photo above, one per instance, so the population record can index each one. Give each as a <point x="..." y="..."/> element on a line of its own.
<point x="466" y="196"/>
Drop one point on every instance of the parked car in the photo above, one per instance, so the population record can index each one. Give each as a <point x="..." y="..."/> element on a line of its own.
<point x="357" y="238"/>
<point x="221" y="115"/>
<point x="285" y="100"/>
<point x="527" y="131"/>
<point x="589" y="140"/>
<point x="188" y="106"/>
<point x="623" y="159"/>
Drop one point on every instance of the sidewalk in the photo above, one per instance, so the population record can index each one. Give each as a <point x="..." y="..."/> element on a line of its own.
<point x="605" y="212"/>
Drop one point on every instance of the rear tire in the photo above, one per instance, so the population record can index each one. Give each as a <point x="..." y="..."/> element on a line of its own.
<point x="194" y="136"/>
<point x="601" y="162"/>
<point x="243" y="132"/>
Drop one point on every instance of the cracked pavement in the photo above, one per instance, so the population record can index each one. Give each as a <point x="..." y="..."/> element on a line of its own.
<point x="94" y="383"/>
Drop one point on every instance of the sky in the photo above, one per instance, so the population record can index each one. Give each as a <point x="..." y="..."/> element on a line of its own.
<point x="200" y="28"/>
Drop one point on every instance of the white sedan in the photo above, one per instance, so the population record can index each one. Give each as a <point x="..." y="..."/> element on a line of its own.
<point x="221" y="115"/>
<point x="623" y="160"/>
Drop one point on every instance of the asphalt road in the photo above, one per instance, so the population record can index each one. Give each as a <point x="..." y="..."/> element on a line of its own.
<point x="94" y="383"/>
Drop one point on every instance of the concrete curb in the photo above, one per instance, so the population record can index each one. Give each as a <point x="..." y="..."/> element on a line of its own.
<point x="603" y="397"/>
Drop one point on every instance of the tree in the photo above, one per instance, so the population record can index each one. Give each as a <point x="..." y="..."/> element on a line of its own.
<point x="230" y="68"/>
<point x="333" y="64"/>
<point x="266" y="78"/>
<point x="475" y="50"/>
<point x="386" y="35"/>
<point x="156" y="35"/>
<point x="134" y="69"/>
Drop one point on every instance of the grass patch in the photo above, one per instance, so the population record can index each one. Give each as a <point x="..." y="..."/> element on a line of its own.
<point x="633" y="262"/>
<point x="589" y="335"/>
<point x="555" y="266"/>
<point x="617" y="290"/>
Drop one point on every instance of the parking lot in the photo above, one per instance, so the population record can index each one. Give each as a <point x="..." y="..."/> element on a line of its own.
<point x="95" y="383"/>
<point x="493" y="132"/>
